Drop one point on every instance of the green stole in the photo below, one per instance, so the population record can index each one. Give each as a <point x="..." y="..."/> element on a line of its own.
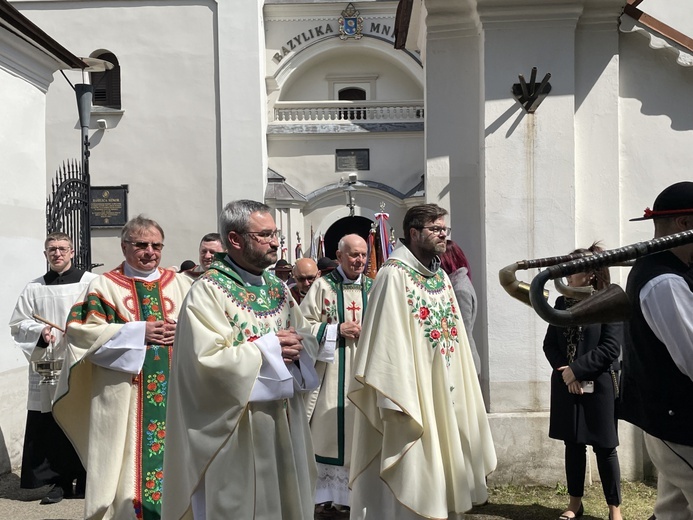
<point x="152" y="385"/>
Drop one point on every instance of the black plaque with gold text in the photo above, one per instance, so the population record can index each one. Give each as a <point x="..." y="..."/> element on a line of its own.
<point x="109" y="206"/>
<point x="352" y="159"/>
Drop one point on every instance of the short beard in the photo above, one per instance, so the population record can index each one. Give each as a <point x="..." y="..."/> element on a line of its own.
<point x="259" y="260"/>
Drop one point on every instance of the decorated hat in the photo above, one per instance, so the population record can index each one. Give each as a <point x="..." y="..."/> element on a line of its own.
<point x="675" y="200"/>
<point x="282" y="265"/>
<point x="325" y="264"/>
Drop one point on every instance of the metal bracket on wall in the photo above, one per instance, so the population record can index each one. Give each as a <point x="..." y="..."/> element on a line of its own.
<point x="530" y="95"/>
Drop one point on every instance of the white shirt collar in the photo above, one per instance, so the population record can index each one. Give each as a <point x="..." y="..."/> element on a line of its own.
<point x="345" y="278"/>
<point x="131" y="272"/>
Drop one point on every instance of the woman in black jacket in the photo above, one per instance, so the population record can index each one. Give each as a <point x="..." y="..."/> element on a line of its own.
<point x="583" y="393"/>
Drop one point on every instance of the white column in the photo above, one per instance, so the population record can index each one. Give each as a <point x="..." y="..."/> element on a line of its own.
<point x="454" y="131"/>
<point x="242" y="100"/>
<point x="530" y="183"/>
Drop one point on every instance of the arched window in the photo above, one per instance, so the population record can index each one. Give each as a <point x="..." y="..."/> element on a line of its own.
<point x="352" y="94"/>
<point x="106" y="84"/>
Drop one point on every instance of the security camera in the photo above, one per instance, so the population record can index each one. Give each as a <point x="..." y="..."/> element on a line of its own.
<point x="102" y="124"/>
<point x="353" y="177"/>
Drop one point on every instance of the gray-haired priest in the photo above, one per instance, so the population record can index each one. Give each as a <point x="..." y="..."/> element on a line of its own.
<point x="111" y="397"/>
<point x="236" y="419"/>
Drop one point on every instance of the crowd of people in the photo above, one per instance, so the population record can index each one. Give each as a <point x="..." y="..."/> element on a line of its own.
<point x="246" y="388"/>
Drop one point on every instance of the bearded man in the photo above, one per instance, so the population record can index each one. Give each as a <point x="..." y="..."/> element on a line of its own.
<point x="244" y="355"/>
<point x="422" y="444"/>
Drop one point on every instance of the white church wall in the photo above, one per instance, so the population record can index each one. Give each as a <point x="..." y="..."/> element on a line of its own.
<point x="396" y="159"/>
<point x="391" y="82"/>
<point x="656" y="128"/>
<point x="164" y="144"/>
<point x="25" y="74"/>
<point x="529" y="201"/>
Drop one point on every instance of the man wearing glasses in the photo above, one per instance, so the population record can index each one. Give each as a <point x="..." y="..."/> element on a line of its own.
<point x="112" y="394"/>
<point x="305" y="273"/>
<point x="237" y="424"/>
<point x="48" y="457"/>
<point x="334" y="307"/>
<point x="420" y="410"/>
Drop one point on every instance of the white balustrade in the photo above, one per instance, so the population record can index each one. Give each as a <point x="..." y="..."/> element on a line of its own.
<point x="348" y="111"/>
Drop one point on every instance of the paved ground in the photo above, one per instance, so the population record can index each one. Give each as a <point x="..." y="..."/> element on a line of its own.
<point x="23" y="504"/>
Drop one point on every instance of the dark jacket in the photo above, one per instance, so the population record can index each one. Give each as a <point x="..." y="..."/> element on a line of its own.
<point x="588" y="418"/>
<point x="656" y="396"/>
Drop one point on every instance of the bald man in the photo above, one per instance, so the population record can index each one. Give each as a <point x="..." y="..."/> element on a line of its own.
<point x="305" y="273"/>
<point x="334" y="307"/>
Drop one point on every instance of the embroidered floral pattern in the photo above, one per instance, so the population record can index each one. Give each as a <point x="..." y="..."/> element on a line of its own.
<point x="153" y="483"/>
<point x="151" y="307"/>
<point x="248" y="331"/>
<point x="435" y="317"/>
<point x="156" y="388"/>
<point x="156" y="437"/>
<point x="330" y="310"/>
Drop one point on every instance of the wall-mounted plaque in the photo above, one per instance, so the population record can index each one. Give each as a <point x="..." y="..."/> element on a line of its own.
<point x="109" y="206"/>
<point x="353" y="159"/>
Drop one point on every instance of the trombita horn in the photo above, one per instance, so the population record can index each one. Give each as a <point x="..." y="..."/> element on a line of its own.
<point x="608" y="305"/>
<point x="520" y="290"/>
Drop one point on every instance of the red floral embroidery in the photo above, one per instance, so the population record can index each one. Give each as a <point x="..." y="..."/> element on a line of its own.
<point x="435" y="334"/>
<point x="423" y="313"/>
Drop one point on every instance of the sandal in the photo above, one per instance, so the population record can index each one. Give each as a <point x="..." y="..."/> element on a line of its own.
<point x="579" y="513"/>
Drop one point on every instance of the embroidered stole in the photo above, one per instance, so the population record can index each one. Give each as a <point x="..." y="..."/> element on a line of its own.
<point x="152" y="385"/>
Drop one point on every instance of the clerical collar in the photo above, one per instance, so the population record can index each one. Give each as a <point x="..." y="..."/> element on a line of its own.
<point x="56" y="278"/>
<point x="247" y="277"/>
<point x="131" y="272"/>
<point x="345" y="278"/>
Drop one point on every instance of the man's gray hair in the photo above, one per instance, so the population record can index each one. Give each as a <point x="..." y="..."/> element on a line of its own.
<point x="138" y="224"/>
<point x="236" y="215"/>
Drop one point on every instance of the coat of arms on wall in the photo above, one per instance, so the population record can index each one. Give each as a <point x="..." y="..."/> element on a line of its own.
<point x="350" y="23"/>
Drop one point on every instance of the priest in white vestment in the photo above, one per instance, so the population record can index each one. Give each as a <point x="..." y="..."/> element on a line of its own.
<point x="244" y="356"/>
<point x="112" y="394"/>
<point x="422" y="444"/>
<point x="334" y="306"/>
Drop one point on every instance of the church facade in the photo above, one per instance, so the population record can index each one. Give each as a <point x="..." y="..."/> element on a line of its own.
<point x="309" y="107"/>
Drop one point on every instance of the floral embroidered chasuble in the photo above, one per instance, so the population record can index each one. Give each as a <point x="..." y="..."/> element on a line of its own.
<point x="424" y="443"/>
<point x="117" y="420"/>
<point x="254" y="459"/>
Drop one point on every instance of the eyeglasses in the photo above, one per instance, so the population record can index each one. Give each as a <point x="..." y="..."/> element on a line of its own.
<point x="156" y="246"/>
<point x="437" y="230"/>
<point x="305" y="278"/>
<point x="264" y="237"/>
<point x="62" y="250"/>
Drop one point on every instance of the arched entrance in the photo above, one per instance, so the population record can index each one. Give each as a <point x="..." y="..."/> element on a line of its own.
<point x="344" y="226"/>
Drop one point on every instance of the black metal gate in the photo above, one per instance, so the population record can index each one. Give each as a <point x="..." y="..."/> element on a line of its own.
<point x="67" y="210"/>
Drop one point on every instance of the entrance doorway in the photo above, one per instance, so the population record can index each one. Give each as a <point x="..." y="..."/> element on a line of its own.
<point x="344" y="226"/>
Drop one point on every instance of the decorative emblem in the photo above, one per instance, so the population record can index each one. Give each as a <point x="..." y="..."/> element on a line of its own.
<point x="350" y="23"/>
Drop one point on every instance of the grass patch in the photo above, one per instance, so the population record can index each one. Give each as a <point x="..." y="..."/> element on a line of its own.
<point x="546" y="503"/>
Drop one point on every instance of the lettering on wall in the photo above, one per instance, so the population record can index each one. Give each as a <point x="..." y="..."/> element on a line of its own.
<point x="326" y="31"/>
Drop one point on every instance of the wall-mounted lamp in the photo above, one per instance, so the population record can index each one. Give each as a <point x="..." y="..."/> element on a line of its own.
<point x="102" y="124"/>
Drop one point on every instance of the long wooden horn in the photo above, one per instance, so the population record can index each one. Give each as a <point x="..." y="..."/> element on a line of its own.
<point x="608" y="305"/>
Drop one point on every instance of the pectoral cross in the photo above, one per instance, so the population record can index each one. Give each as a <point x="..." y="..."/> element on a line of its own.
<point x="353" y="308"/>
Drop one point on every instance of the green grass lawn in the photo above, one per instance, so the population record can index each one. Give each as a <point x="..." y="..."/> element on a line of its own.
<point x="544" y="503"/>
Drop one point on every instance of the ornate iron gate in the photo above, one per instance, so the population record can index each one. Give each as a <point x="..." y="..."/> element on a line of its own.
<point x="67" y="210"/>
